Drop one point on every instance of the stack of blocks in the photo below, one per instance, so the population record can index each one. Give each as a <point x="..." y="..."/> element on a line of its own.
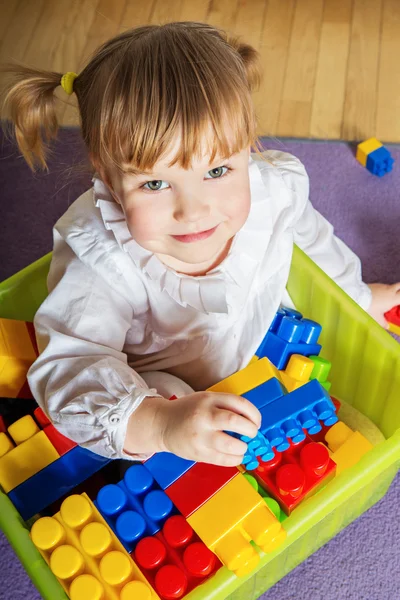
<point x="171" y="523"/>
<point x="38" y="466"/>
<point x="375" y="157"/>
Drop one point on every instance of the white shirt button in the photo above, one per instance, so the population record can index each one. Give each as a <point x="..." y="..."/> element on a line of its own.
<point x="114" y="419"/>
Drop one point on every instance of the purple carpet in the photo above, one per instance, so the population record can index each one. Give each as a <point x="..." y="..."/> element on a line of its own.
<point x="362" y="562"/>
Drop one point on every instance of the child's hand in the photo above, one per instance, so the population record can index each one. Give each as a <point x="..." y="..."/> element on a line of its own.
<point x="384" y="298"/>
<point x="193" y="427"/>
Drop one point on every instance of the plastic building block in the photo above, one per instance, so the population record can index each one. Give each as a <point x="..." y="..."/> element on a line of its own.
<point x="380" y="162"/>
<point x="175" y="561"/>
<point x="393" y="319"/>
<point x="303" y="409"/>
<point x="233" y="517"/>
<point x="56" y="480"/>
<point x="167" y="468"/>
<point x="375" y="157"/>
<point x="197" y="485"/>
<point x="32" y="453"/>
<point x="346" y="446"/>
<point x="296" y="473"/>
<point x="365" y="148"/>
<point x="297" y="372"/>
<point x="269" y="501"/>
<point x="3" y="427"/>
<point x="321" y="370"/>
<point x="18" y="350"/>
<point x="289" y="335"/>
<point x="61" y="443"/>
<point x="266" y="392"/>
<point x="256" y="373"/>
<point x="85" y="556"/>
<point x="320" y="436"/>
<point x="258" y="446"/>
<point x="135" y="507"/>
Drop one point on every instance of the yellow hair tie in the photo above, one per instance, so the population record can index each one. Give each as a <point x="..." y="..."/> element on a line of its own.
<point x="67" y="82"/>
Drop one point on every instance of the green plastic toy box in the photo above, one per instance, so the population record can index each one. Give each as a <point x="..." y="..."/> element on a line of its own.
<point x="365" y="373"/>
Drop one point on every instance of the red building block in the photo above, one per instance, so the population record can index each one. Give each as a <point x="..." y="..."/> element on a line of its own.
<point x="61" y="443"/>
<point x="3" y="428"/>
<point x="297" y="473"/>
<point x="197" y="485"/>
<point x="175" y="561"/>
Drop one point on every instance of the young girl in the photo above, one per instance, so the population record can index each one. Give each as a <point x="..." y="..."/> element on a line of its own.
<point x="167" y="273"/>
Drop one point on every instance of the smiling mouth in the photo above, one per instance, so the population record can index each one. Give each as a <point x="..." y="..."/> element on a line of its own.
<point x="195" y="237"/>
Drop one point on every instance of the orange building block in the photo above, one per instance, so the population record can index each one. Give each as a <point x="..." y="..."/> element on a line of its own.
<point x="85" y="555"/>
<point x="32" y="453"/>
<point x="233" y="517"/>
<point x="346" y="446"/>
<point x="18" y="351"/>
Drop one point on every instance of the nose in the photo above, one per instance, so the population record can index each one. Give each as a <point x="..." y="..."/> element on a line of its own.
<point x="190" y="208"/>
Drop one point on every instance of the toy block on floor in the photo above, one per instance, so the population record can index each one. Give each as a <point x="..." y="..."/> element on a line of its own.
<point x="134" y="507"/>
<point x="296" y="474"/>
<point x="166" y="467"/>
<point x="233" y="517"/>
<point x="175" y="561"/>
<point x="289" y="334"/>
<point x="198" y="485"/>
<point x="61" y="443"/>
<point x="375" y="157"/>
<point x="18" y="351"/>
<point x="86" y="557"/>
<point x="346" y="446"/>
<point x="32" y="453"/>
<point x="256" y="373"/>
<point x="393" y="319"/>
<point x="55" y="480"/>
<point x="303" y="408"/>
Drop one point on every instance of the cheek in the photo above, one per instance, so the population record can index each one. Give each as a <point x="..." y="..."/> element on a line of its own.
<point x="238" y="206"/>
<point x="142" y="222"/>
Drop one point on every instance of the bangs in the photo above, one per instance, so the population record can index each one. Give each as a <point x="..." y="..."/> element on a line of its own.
<point x="172" y="87"/>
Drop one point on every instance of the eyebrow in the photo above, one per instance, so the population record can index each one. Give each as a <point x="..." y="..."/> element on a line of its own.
<point x="133" y="171"/>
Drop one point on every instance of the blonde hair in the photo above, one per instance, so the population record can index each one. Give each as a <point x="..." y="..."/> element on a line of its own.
<point x="139" y="91"/>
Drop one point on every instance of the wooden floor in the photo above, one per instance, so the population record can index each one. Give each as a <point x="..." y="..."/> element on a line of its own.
<point x="331" y="67"/>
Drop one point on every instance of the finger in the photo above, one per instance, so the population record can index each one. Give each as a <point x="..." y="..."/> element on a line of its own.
<point x="223" y="443"/>
<point x="223" y="459"/>
<point x="241" y="406"/>
<point x="226" y="420"/>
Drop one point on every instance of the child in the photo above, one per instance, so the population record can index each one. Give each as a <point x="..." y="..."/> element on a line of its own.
<point x="167" y="273"/>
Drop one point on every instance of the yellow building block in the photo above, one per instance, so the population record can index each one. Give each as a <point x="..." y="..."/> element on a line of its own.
<point x="346" y="446"/>
<point x="233" y="517"/>
<point x="297" y="372"/>
<point x="26" y="459"/>
<point x="86" y="556"/>
<point x="23" y="429"/>
<point x="243" y="381"/>
<point x="366" y="148"/>
<point x="5" y="444"/>
<point x="17" y="353"/>
<point x="15" y="340"/>
<point x="394" y="328"/>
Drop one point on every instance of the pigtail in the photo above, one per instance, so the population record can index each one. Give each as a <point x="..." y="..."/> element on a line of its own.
<point x="251" y="60"/>
<point x="30" y="107"/>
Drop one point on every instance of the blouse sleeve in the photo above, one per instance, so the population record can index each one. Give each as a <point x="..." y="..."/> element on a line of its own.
<point x="315" y="235"/>
<point x="81" y="378"/>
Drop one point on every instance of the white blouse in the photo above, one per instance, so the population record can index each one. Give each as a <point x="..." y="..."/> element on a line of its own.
<point x="116" y="314"/>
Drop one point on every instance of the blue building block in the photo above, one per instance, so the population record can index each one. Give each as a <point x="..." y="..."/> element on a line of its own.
<point x="303" y="409"/>
<point x="134" y="507"/>
<point x="55" y="480"/>
<point x="266" y="392"/>
<point x="289" y="335"/>
<point x="380" y="161"/>
<point x="258" y="446"/>
<point x="166" y="468"/>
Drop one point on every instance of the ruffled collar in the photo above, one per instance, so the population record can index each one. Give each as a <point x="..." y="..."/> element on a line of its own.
<point x="210" y="293"/>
